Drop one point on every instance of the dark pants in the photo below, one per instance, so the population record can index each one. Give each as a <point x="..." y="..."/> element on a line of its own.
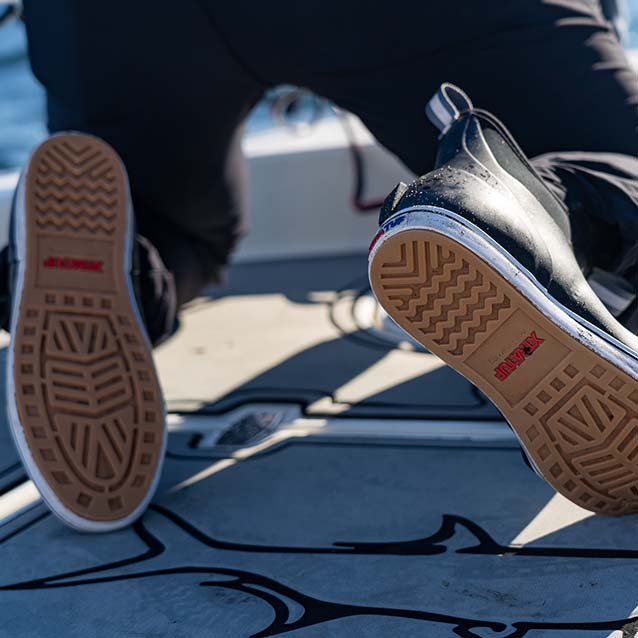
<point x="169" y="83"/>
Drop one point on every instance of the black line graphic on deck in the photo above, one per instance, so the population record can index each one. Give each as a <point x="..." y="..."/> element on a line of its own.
<point x="427" y="546"/>
<point x="316" y="611"/>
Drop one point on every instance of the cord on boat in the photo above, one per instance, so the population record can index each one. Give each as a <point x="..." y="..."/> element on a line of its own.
<point x="359" y="203"/>
<point x="284" y="103"/>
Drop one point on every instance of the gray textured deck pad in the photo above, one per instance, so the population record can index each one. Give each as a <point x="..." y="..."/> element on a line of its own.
<point x="317" y="540"/>
<point x="283" y="331"/>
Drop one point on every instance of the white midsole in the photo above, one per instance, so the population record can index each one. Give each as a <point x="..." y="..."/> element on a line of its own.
<point x="48" y="495"/>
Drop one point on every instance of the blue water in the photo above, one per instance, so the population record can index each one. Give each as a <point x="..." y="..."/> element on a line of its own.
<point x="22" y="112"/>
<point x="21" y="99"/>
<point x="22" y="107"/>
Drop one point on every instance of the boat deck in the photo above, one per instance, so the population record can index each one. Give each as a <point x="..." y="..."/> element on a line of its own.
<point x="324" y="477"/>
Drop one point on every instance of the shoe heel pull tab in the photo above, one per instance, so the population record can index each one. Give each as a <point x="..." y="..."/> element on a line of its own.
<point x="446" y="106"/>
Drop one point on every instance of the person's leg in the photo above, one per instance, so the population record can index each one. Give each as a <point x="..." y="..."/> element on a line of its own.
<point x="553" y="71"/>
<point x="475" y="261"/>
<point x="600" y="191"/>
<point x="84" y="400"/>
<point x="155" y="81"/>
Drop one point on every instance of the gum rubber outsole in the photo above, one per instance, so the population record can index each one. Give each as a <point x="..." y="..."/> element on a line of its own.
<point x="574" y="411"/>
<point x="87" y="394"/>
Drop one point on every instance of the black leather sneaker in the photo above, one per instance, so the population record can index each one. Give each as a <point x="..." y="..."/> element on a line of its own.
<point x="474" y="260"/>
<point x="84" y="401"/>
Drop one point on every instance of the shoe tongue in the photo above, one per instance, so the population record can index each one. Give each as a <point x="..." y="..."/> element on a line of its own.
<point x="614" y="291"/>
<point x="446" y="105"/>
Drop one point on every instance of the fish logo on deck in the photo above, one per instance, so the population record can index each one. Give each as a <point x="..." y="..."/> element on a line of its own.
<point x="172" y="547"/>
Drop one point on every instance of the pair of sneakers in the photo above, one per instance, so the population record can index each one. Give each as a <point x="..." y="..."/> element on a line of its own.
<point x="474" y="260"/>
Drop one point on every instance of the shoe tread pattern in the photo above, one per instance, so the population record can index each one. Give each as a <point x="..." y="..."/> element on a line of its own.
<point x="87" y="392"/>
<point x="75" y="189"/>
<point x="442" y="295"/>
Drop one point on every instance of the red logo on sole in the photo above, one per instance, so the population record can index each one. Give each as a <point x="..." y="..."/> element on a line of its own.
<point x="72" y="263"/>
<point x="517" y="357"/>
